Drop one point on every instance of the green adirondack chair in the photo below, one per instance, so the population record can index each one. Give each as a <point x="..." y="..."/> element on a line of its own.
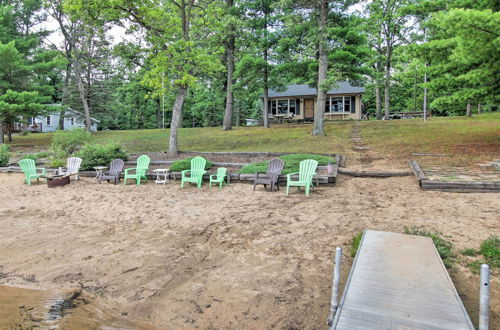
<point x="139" y="172"/>
<point x="307" y="169"/>
<point x="30" y="171"/>
<point x="195" y="173"/>
<point x="218" y="178"/>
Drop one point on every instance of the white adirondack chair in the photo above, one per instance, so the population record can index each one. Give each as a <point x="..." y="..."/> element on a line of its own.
<point x="72" y="167"/>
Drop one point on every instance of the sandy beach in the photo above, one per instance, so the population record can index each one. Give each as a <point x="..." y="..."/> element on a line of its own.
<point x="170" y="258"/>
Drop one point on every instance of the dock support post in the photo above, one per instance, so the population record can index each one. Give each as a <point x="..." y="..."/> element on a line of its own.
<point x="335" y="287"/>
<point x="484" y="298"/>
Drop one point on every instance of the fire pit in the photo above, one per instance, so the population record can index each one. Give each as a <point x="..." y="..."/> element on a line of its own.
<point x="57" y="180"/>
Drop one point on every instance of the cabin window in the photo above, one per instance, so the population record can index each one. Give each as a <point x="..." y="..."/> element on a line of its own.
<point x="353" y="104"/>
<point x="337" y="104"/>
<point x="283" y="107"/>
<point x="293" y="107"/>
<point x="48" y="120"/>
<point x="72" y="121"/>
<point x="297" y="110"/>
<point x="347" y="104"/>
<point x="327" y="104"/>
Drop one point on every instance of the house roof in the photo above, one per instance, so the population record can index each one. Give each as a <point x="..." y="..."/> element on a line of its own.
<point x="72" y="113"/>
<point x="343" y="87"/>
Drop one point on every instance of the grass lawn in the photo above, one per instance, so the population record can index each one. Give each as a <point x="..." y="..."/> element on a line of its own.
<point x="280" y="138"/>
<point x="468" y="139"/>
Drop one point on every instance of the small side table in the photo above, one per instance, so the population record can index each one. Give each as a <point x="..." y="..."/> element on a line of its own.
<point x="161" y="175"/>
<point x="99" y="171"/>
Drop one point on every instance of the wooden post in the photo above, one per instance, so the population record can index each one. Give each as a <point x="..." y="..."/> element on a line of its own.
<point x="469" y="110"/>
<point x="484" y="298"/>
<point x="335" y="287"/>
<point x="479" y="109"/>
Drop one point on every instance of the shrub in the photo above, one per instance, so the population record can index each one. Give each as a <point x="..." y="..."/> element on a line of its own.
<point x="469" y="252"/>
<point x="490" y="249"/>
<point x="442" y="246"/>
<point x="30" y="156"/>
<point x="4" y="155"/>
<point x="70" y="141"/>
<point x="100" y="155"/>
<point x="185" y="164"/>
<point x="292" y="162"/>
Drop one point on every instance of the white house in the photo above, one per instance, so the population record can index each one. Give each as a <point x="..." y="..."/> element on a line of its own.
<point x="50" y="123"/>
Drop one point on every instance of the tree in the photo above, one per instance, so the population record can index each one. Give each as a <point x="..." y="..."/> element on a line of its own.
<point x="230" y="45"/>
<point x="463" y="56"/>
<point x="394" y="21"/>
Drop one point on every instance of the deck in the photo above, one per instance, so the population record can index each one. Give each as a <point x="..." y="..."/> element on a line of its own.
<point x="398" y="281"/>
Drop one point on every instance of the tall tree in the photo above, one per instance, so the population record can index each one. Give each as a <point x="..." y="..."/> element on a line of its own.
<point x="230" y="49"/>
<point x="394" y="22"/>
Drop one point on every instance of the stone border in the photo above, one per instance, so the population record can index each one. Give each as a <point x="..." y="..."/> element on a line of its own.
<point x="452" y="186"/>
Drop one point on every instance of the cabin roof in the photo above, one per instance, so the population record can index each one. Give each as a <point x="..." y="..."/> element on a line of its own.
<point x="343" y="87"/>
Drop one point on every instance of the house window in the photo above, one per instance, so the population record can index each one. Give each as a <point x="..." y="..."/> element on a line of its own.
<point x="327" y="104"/>
<point x="293" y="107"/>
<point x="48" y="120"/>
<point x="297" y="110"/>
<point x="347" y="104"/>
<point x="337" y="104"/>
<point x="283" y="107"/>
<point x="72" y="121"/>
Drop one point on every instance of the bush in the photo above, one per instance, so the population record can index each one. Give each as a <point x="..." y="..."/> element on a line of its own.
<point x="70" y="141"/>
<point x="30" y="156"/>
<point x="100" y="155"/>
<point x="292" y="162"/>
<point x="4" y="155"/>
<point x="185" y="164"/>
<point x="490" y="249"/>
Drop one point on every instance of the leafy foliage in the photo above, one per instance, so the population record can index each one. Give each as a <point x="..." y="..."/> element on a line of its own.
<point x="292" y="162"/>
<point x="185" y="164"/>
<point x="70" y="141"/>
<point x="4" y="155"/>
<point x="490" y="249"/>
<point x="100" y="155"/>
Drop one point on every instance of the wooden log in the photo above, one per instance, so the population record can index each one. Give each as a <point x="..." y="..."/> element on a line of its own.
<point x="417" y="170"/>
<point x="430" y="155"/>
<point x="461" y="186"/>
<point x="373" y="174"/>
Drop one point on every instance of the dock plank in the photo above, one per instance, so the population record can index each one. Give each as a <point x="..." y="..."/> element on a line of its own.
<point x="398" y="281"/>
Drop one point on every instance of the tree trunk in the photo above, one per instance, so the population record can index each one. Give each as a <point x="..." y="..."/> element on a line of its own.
<point x="176" y="117"/>
<point x="228" y="113"/>
<point x="378" y="101"/>
<point x="65" y="95"/>
<point x="158" y="115"/>
<point x="1" y="133"/>
<point x="265" y="114"/>
<point x="319" y="113"/>
<point x="479" y="109"/>
<point x="387" y="84"/>
<point x="9" y="132"/>
<point x="469" y="110"/>
<point x="83" y="96"/>
<point x="238" y="115"/>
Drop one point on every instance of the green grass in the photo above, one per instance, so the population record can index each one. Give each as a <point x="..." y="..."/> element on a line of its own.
<point x="469" y="252"/>
<point x="468" y="139"/>
<point x="279" y="138"/>
<point x="443" y="246"/>
<point x="356" y="240"/>
<point x="292" y="163"/>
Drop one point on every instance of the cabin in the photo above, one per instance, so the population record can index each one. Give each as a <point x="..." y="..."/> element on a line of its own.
<point x="298" y="102"/>
<point x="50" y="122"/>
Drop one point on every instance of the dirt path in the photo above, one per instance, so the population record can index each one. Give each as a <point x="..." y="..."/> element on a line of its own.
<point x="188" y="258"/>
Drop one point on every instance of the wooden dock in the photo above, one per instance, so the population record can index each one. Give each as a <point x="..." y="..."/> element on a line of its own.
<point x="398" y="281"/>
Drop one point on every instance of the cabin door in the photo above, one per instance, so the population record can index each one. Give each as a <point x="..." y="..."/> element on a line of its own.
<point x="308" y="109"/>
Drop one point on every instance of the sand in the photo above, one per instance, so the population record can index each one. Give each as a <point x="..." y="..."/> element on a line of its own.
<point x="188" y="258"/>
